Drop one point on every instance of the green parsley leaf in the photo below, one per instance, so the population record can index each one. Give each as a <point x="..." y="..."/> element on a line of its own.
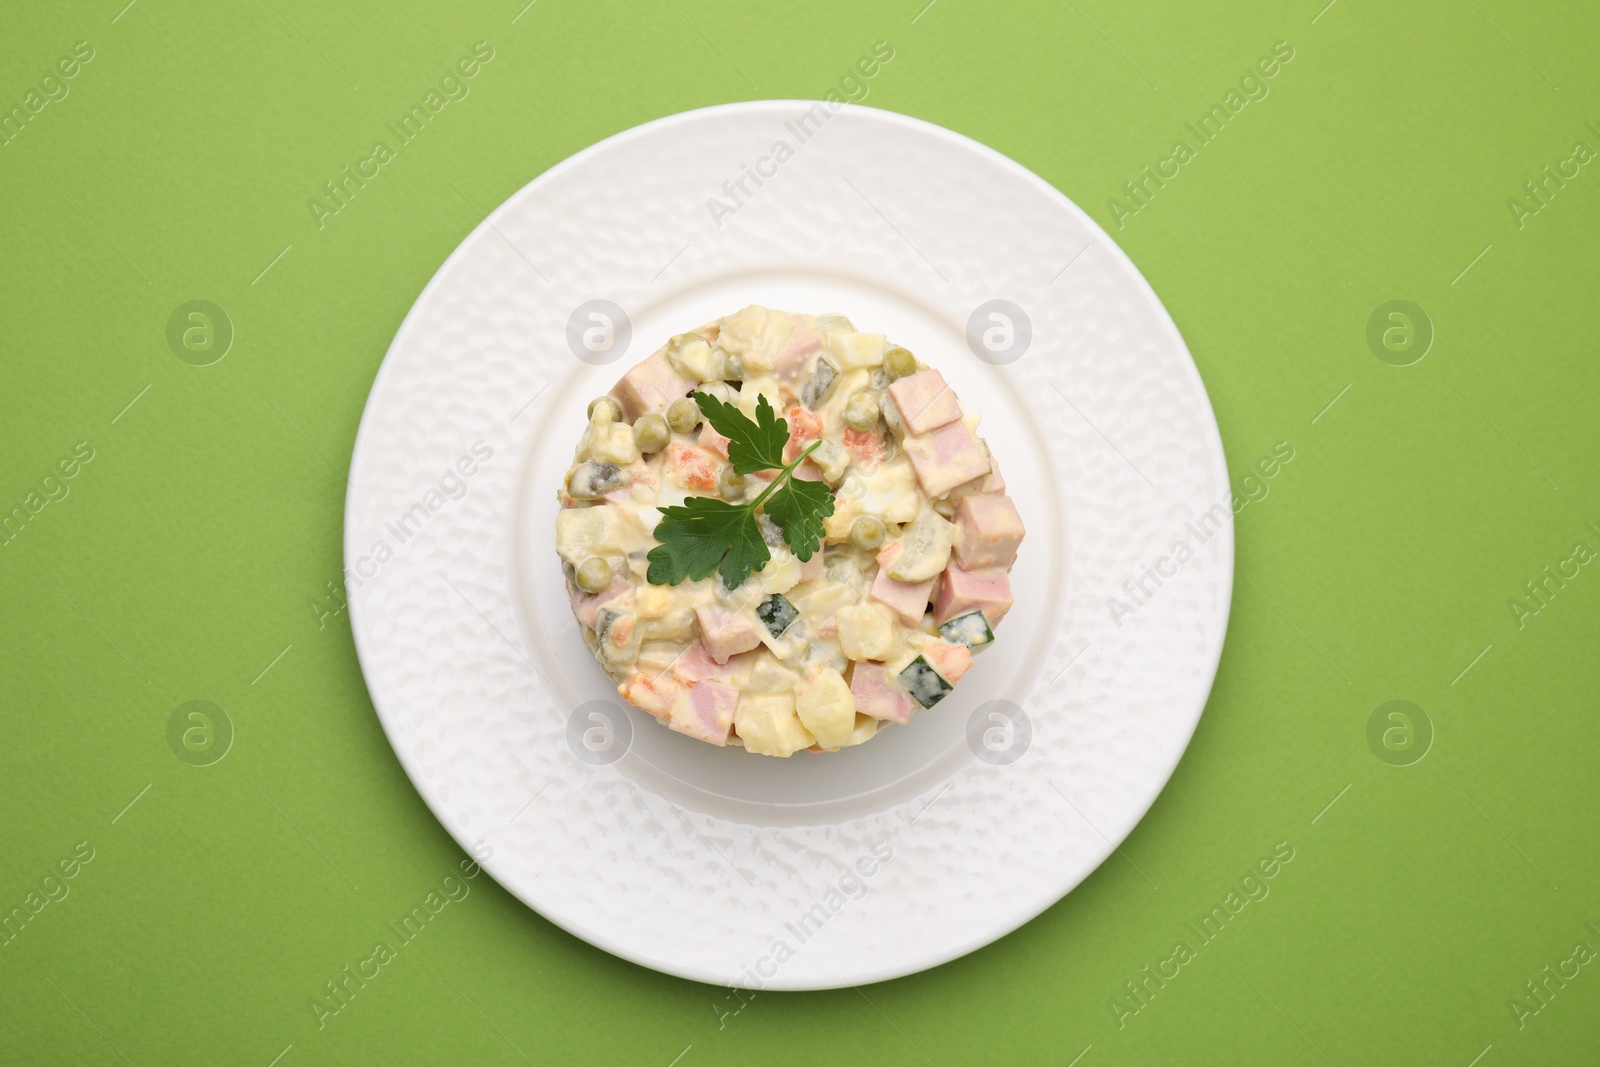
<point x="799" y="507"/>
<point x="752" y="446"/>
<point x="702" y="535"/>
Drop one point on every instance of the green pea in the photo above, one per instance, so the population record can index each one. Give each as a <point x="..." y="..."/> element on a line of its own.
<point x="594" y="575"/>
<point x="650" y="433"/>
<point x="609" y="405"/>
<point x="868" y="532"/>
<point x="730" y="484"/>
<point x="899" y="363"/>
<point x="683" y="415"/>
<point x="861" y="413"/>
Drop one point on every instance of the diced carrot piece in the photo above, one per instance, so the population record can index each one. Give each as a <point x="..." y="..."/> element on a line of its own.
<point x="693" y="468"/>
<point x="865" y="445"/>
<point x="804" y="427"/>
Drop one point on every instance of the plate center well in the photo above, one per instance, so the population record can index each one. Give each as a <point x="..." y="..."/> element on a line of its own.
<point x="902" y="762"/>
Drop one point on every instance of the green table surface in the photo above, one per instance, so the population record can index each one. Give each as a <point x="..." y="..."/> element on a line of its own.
<point x="1441" y="910"/>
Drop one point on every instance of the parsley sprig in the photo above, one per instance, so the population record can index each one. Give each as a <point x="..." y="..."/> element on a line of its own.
<point x="705" y="534"/>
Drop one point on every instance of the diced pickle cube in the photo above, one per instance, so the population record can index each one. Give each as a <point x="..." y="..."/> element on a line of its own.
<point x="776" y="613"/>
<point x="593" y="480"/>
<point x="926" y="686"/>
<point x="819" y="385"/>
<point x="971" y="629"/>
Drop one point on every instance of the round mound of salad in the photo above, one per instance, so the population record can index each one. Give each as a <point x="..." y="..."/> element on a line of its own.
<point x="780" y="533"/>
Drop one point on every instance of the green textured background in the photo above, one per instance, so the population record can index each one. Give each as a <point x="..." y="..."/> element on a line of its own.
<point x="198" y="543"/>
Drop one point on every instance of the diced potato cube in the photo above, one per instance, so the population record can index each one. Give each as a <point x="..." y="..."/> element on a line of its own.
<point x="902" y="511"/>
<point x="652" y="602"/>
<point x="866" y="728"/>
<point x="675" y="624"/>
<point x="770" y="676"/>
<point x="749" y="400"/>
<point x="823" y="598"/>
<point x="866" y="632"/>
<point x="857" y="350"/>
<point x="754" y="334"/>
<point x="768" y="725"/>
<point x="693" y="359"/>
<point x="889" y="492"/>
<point x="603" y="530"/>
<point x="612" y="442"/>
<point x="825" y="705"/>
<point x="782" y="572"/>
<point x="846" y="509"/>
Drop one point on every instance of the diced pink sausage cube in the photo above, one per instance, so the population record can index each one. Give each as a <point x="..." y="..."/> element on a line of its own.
<point x="587" y="607"/>
<point x="695" y="664"/>
<point x="908" y="600"/>
<point x="803" y="341"/>
<point x="988" y="531"/>
<point x="705" y="712"/>
<point x="650" y="386"/>
<point x="987" y="590"/>
<point x="713" y="440"/>
<point x="812" y="569"/>
<point x="878" y="693"/>
<point x="925" y="401"/>
<point x="725" y="633"/>
<point x="946" y="458"/>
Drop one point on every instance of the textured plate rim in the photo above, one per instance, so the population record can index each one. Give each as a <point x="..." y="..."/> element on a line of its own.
<point x="1209" y="430"/>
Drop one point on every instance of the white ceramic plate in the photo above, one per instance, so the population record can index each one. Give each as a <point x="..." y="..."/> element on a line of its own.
<point x="821" y="870"/>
